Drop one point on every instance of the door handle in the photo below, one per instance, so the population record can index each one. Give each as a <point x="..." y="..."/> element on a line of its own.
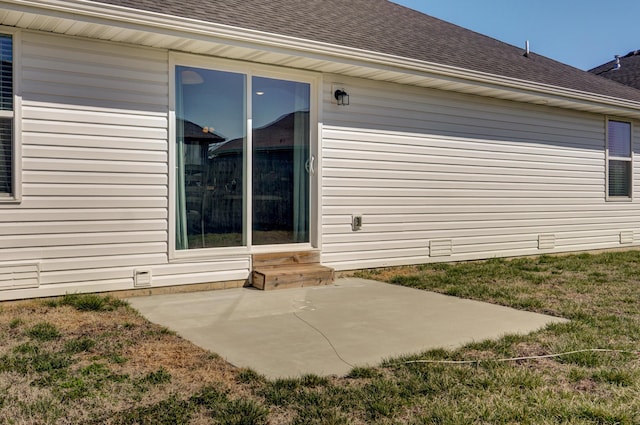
<point x="310" y="165"/>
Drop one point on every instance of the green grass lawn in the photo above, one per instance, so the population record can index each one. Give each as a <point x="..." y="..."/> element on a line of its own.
<point x="90" y="359"/>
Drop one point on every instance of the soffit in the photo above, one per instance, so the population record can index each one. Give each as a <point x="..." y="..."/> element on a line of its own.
<point x="300" y="54"/>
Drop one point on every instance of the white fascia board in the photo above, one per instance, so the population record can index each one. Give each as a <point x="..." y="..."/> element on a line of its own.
<point x="190" y="28"/>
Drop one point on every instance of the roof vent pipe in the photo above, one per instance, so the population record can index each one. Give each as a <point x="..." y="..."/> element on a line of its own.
<point x="617" y="66"/>
<point x="526" y="48"/>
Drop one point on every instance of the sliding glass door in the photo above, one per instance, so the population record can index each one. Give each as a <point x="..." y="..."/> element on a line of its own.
<point x="280" y="152"/>
<point x="210" y="148"/>
<point x="235" y="188"/>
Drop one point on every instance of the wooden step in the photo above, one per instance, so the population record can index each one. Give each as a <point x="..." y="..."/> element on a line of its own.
<point x="292" y="276"/>
<point x="286" y="258"/>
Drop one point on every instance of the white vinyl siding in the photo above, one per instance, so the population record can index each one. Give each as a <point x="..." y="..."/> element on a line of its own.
<point x="486" y="177"/>
<point x="436" y="176"/>
<point x="95" y="171"/>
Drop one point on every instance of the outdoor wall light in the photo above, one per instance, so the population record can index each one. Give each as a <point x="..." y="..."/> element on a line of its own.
<point x="341" y="97"/>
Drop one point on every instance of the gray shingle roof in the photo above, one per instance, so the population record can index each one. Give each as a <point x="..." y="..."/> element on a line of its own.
<point x="628" y="74"/>
<point x="385" y="27"/>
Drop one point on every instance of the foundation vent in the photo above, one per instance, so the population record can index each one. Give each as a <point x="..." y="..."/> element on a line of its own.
<point x="441" y="248"/>
<point x="547" y="241"/>
<point x="627" y="236"/>
<point x="19" y="276"/>
<point x="142" y="278"/>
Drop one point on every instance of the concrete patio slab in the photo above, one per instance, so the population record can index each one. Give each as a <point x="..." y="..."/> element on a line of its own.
<point x="328" y="330"/>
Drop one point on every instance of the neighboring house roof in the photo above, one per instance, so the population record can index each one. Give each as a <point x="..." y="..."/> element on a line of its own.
<point x="628" y="73"/>
<point x="385" y="27"/>
<point x="275" y="136"/>
<point x="194" y="133"/>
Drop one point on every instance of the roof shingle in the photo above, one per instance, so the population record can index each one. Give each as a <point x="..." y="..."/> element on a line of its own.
<point x="628" y="74"/>
<point x="385" y="27"/>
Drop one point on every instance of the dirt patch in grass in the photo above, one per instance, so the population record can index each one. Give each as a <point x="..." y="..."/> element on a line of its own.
<point x="190" y="367"/>
<point x="100" y="363"/>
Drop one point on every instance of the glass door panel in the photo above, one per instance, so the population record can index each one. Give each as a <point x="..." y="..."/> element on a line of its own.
<point x="281" y="158"/>
<point x="210" y="148"/>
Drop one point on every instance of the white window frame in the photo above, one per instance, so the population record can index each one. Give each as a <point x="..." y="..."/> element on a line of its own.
<point x="16" y="116"/>
<point x="609" y="158"/>
<point x="249" y="70"/>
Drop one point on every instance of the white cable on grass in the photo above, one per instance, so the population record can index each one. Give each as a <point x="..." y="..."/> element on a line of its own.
<point x="515" y="359"/>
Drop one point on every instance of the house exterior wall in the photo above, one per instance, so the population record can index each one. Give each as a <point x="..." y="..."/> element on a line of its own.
<point x="95" y="174"/>
<point x="438" y="176"/>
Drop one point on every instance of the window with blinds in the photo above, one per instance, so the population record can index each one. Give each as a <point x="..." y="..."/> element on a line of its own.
<point x="619" y="159"/>
<point x="6" y="115"/>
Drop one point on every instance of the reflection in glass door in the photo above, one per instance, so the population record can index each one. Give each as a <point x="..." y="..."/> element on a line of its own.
<point x="210" y="144"/>
<point x="212" y="187"/>
<point x="280" y="161"/>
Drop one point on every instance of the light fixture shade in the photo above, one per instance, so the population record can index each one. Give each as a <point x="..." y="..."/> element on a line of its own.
<point x="342" y="97"/>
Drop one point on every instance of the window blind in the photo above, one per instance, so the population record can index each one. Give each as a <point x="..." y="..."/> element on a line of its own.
<point x="6" y="73"/>
<point x="6" y="122"/>
<point x="620" y="159"/>
<point x="619" y="139"/>
<point x="619" y="178"/>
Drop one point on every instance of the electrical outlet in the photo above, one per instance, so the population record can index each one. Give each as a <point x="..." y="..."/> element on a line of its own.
<point x="356" y="222"/>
